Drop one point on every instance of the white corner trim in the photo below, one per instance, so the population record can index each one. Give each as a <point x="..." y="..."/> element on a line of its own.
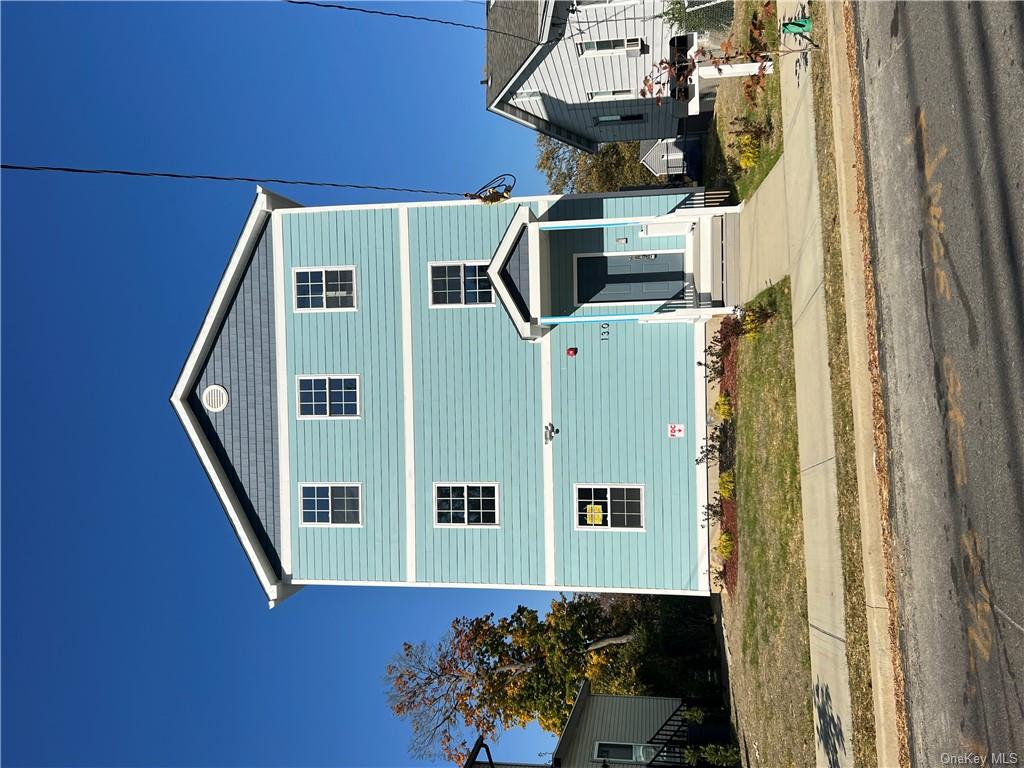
<point x="283" y="422"/>
<point x="408" y="414"/>
<point x="700" y="430"/>
<point x="547" y="461"/>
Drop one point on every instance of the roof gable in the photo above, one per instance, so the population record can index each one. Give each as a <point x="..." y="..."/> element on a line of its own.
<point x="235" y="348"/>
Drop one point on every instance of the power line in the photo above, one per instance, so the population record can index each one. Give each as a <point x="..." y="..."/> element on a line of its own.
<point x="214" y="177"/>
<point x="446" y="22"/>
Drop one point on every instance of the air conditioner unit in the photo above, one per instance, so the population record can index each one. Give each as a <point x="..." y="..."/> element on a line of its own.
<point x="634" y="46"/>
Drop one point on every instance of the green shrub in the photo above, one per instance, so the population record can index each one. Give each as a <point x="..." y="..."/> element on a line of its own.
<point x="726" y="484"/>
<point x="725" y="545"/>
<point x="725" y="755"/>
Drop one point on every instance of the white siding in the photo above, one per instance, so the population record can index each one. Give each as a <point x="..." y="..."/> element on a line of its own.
<point x="565" y="78"/>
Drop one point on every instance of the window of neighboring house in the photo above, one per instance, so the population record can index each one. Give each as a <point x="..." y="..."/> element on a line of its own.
<point x="616" y="119"/>
<point x="610" y="506"/>
<point x="325" y="289"/>
<point x="624" y="753"/>
<point x="466" y="504"/>
<point x="609" y="95"/>
<point x="331" y="504"/>
<point x="329" y="397"/>
<point x="614" y="45"/>
<point x="525" y="95"/>
<point x="460" y="284"/>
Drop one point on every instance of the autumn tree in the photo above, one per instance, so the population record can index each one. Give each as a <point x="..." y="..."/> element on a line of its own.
<point x="614" y="166"/>
<point x="490" y="674"/>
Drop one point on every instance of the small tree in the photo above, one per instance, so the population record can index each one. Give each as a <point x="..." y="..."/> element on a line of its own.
<point x="614" y="166"/>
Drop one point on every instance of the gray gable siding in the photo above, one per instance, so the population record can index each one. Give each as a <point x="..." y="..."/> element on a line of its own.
<point x="244" y="435"/>
<point x="622" y="719"/>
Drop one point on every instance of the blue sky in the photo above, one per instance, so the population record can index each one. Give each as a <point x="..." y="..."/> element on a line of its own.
<point x="134" y="632"/>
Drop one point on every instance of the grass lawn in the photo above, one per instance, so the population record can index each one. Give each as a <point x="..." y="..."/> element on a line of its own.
<point x="857" y="650"/>
<point x="766" y="618"/>
<point x="721" y="159"/>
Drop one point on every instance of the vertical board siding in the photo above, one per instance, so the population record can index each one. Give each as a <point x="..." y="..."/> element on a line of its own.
<point x="565" y="78"/>
<point x="367" y="342"/>
<point x="244" y="434"/>
<point x="617" y="719"/>
<point x="477" y="410"/>
<point x="613" y="403"/>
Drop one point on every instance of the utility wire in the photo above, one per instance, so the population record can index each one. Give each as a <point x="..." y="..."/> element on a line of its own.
<point x="408" y="17"/>
<point x="213" y="177"/>
<point x="448" y="22"/>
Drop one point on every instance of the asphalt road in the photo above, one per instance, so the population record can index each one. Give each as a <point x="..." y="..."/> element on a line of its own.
<point x="943" y="99"/>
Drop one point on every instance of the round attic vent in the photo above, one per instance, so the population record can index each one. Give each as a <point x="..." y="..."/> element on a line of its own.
<point x="215" y="398"/>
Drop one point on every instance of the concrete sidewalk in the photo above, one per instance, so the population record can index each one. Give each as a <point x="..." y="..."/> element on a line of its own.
<point x="781" y="232"/>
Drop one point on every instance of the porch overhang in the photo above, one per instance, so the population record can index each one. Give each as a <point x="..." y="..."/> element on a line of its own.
<point x="515" y="274"/>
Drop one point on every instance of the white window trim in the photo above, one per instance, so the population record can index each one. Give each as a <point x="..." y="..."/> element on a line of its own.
<point x="609" y="486"/>
<point x="330" y="483"/>
<point x="637" y="760"/>
<point x="359" y="396"/>
<point x="656" y="251"/>
<point x="583" y="53"/>
<point x="482" y="526"/>
<point x="462" y="285"/>
<point x="355" y="289"/>
<point x="613" y="94"/>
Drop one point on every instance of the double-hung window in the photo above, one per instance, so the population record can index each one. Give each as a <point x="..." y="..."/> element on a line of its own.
<point x="466" y="503"/>
<point x="460" y="284"/>
<point x="326" y="289"/>
<point x="613" y="45"/>
<point x="610" y="506"/>
<point x="329" y="397"/>
<point x="331" y="504"/>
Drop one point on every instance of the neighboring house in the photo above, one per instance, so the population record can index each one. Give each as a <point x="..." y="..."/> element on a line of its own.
<point x="605" y="730"/>
<point x="574" y="70"/>
<point x="454" y="394"/>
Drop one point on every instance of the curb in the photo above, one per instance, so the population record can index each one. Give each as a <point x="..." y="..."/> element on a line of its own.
<point x="889" y="716"/>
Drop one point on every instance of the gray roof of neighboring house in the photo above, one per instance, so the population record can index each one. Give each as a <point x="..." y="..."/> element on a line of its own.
<point x="508" y="21"/>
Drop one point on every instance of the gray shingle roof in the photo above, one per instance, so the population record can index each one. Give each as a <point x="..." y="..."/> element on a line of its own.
<point x="507" y="54"/>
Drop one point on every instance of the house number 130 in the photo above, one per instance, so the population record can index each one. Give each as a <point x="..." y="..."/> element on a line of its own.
<point x="605" y="331"/>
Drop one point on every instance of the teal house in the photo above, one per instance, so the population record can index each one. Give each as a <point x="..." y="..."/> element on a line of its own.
<point x="462" y="395"/>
